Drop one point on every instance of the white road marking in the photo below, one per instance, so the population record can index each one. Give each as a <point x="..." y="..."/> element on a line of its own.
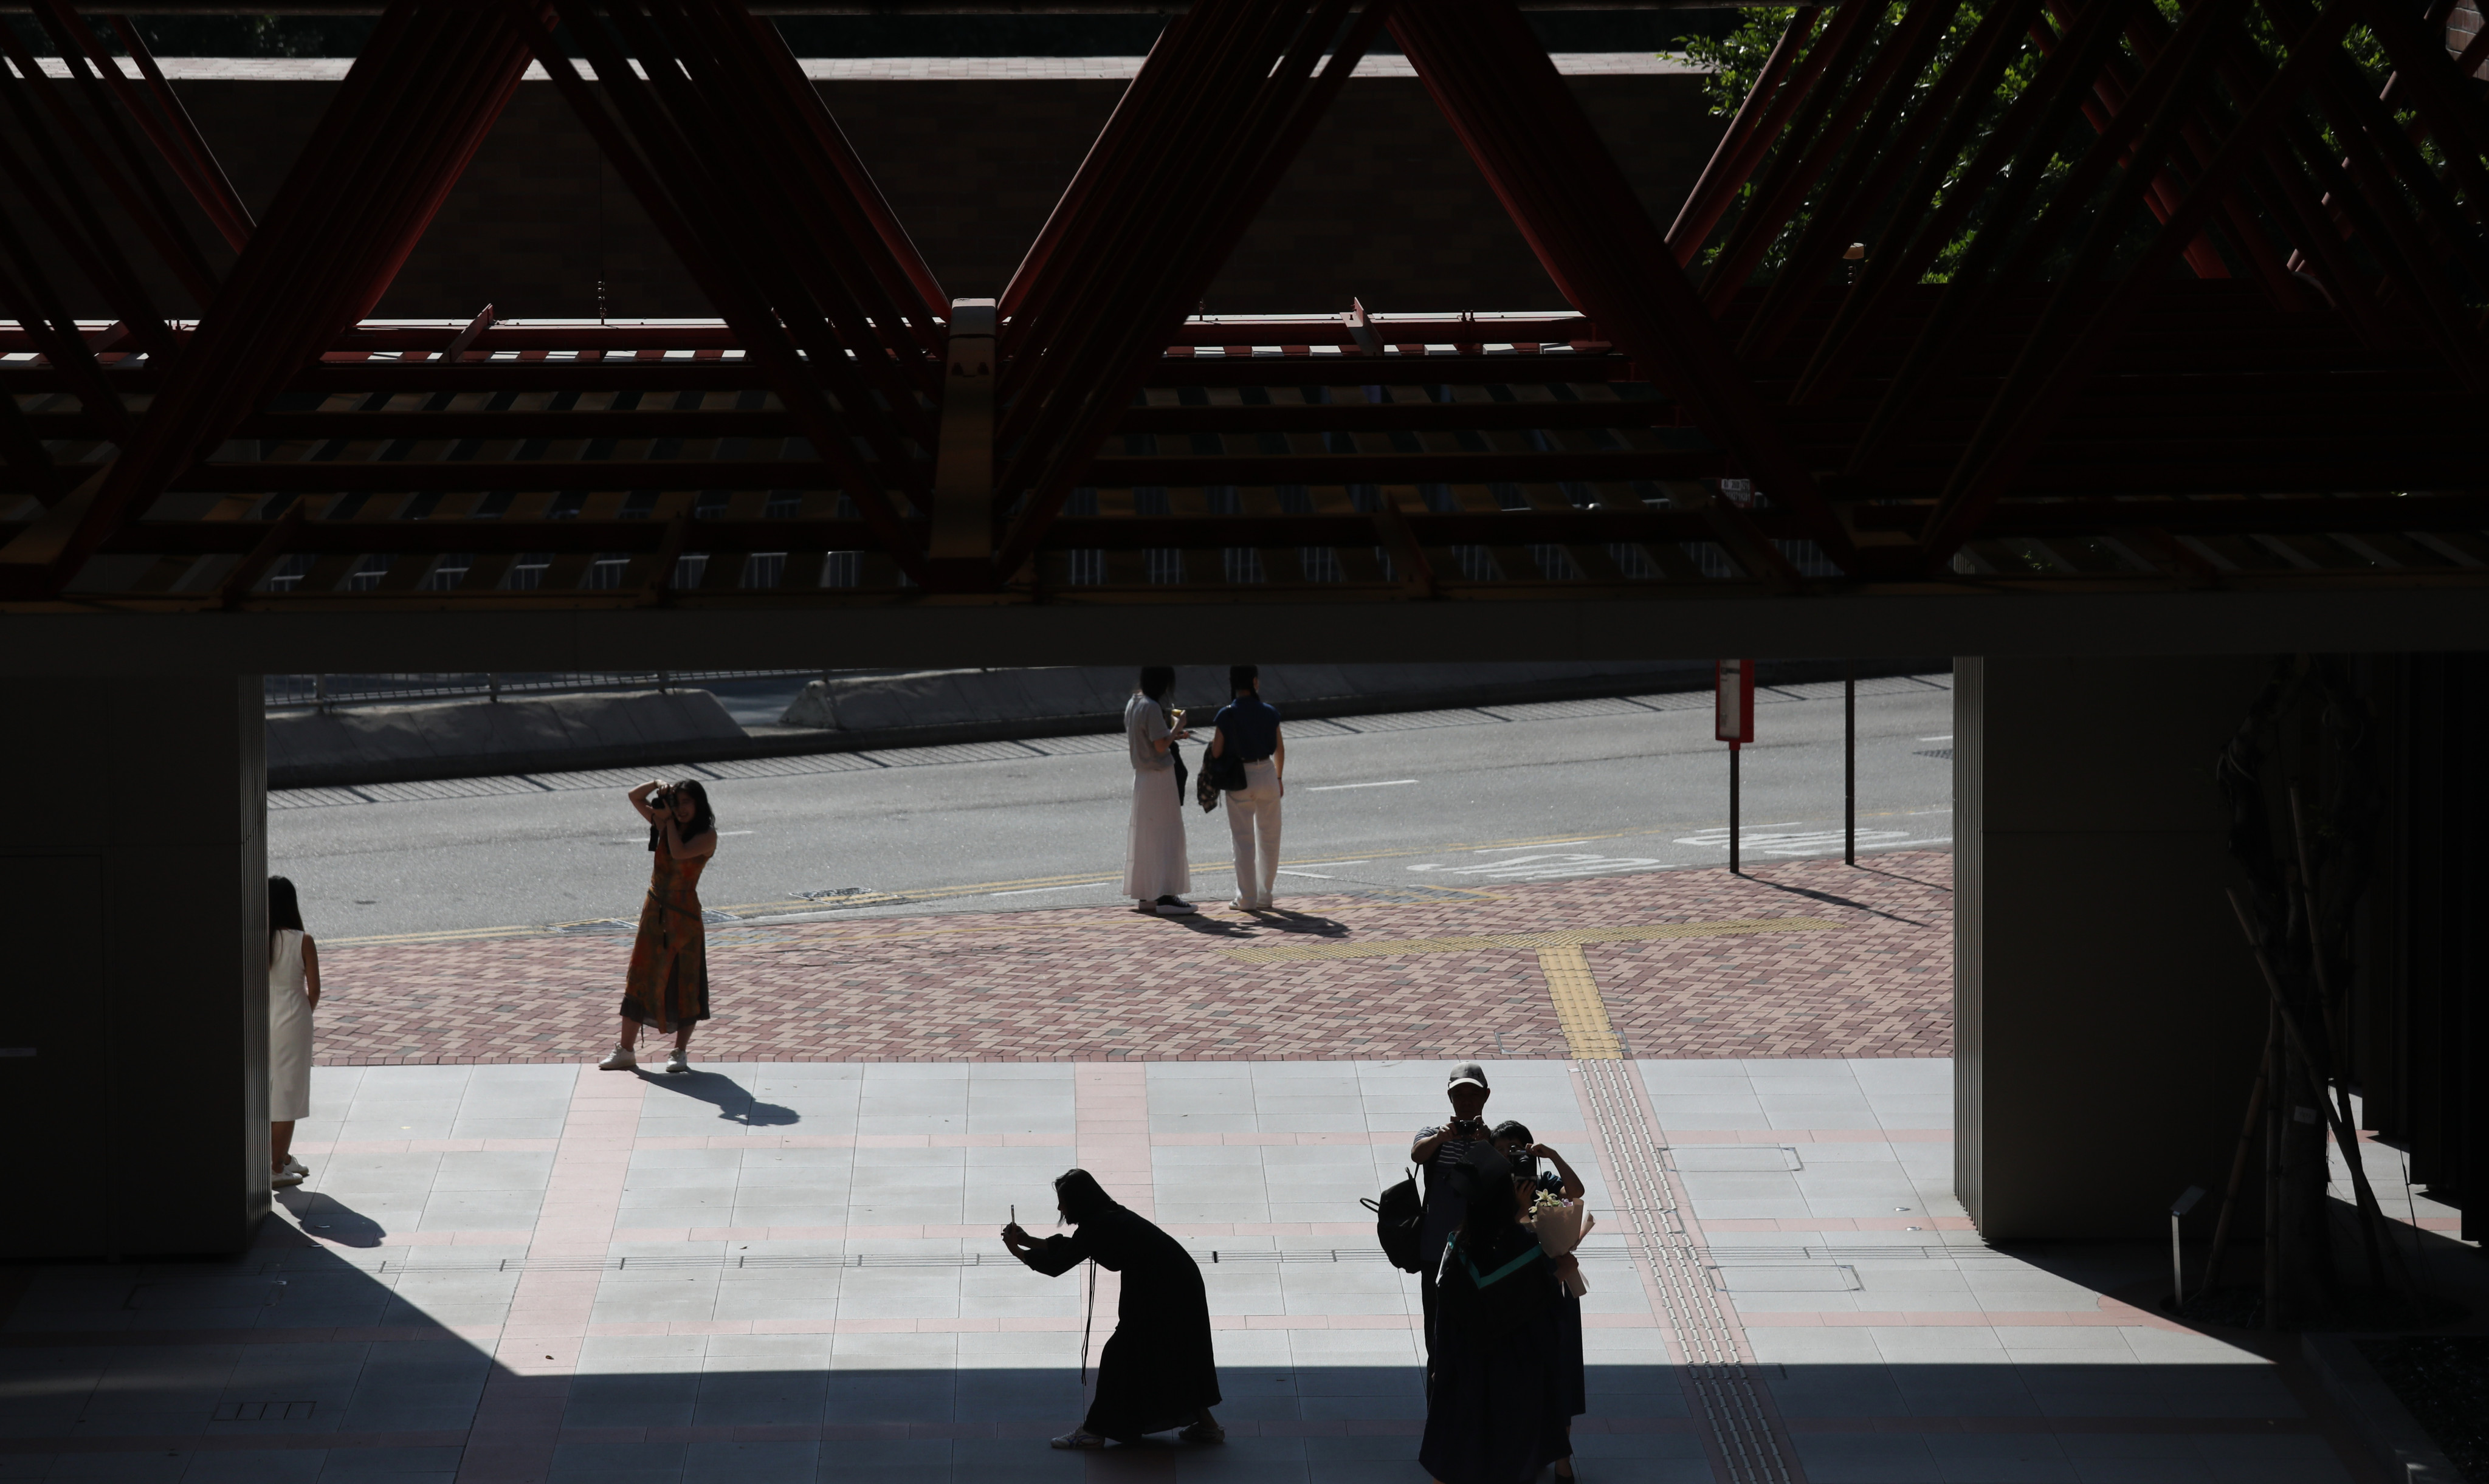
<point x="1799" y="843"/>
<point x="1389" y="782"/>
<point x="1535" y="845"/>
<point x="1947" y="737"/>
<point x="1316" y="875"/>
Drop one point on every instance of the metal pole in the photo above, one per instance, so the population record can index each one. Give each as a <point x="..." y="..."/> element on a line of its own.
<point x="2274" y="1090"/>
<point x="1849" y="761"/>
<point x="1732" y="809"/>
<point x="319" y="693"/>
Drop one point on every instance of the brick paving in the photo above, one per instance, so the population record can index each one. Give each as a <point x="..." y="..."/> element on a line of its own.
<point x="1104" y="984"/>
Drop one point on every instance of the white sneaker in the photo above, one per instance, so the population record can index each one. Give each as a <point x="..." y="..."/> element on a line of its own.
<point x="283" y="1180"/>
<point x="295" y="1167"/>
<point x="680" y="1061"/>
<point x="623" y="1059"/>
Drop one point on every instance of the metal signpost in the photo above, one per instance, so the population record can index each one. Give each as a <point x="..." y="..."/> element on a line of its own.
<point x="1734" y="722"/>
<point x="1849" y="762"/>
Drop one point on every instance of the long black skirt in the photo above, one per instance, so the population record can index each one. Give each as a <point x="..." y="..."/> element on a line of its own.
<point x="1497" y="1409"/>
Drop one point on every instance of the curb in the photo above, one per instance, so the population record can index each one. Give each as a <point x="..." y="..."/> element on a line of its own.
<point x="798" y="742"/>
<point x="2383" y="1424"/>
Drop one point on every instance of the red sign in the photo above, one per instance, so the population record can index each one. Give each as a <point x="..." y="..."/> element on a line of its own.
<point x="1734" y="704"/>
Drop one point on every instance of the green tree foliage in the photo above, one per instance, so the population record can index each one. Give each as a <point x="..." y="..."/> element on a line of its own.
<point x="1736" y="60"/>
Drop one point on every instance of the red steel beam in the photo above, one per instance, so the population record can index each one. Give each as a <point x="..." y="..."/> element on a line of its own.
<point x="1221" y="195"/>
<point x="206" y="169"/>
<point x="406" y="104"/>
<point x="1821" y="135"/>
<point x="727" y="287"/>
<point x="2071" y="336"/>
<point x="1758" y="121"/>
<point x="1522" y="125"/>
<point x="104" y="85"/>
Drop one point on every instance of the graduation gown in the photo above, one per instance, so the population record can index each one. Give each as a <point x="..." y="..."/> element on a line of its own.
<point x="1499" y="1395"/>
<point x="1157" y="1371"/>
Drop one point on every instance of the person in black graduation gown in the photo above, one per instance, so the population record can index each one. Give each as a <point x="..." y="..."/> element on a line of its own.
<point x="1156" y="1372"/>
<point x="1497" y="1403"/>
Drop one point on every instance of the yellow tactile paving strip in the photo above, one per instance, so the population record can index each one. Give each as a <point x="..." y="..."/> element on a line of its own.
<point x="1570" y="937"/>
<point x="1579" y="1009"/>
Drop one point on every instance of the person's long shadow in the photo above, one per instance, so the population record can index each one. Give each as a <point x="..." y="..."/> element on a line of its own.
<point x="733" y="1103"/>
<point x="326" y="1219"/>
<point x="1269" y="921"/>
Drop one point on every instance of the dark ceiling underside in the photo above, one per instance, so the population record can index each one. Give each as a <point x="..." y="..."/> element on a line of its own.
<point x="2191" y="302"/>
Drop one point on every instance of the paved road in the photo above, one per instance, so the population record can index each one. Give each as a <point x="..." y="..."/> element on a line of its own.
<point x="1419" y="804"/>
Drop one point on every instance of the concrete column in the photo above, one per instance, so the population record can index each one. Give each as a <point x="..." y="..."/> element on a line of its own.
<point x="134" y="867"/>
<point x="2108" y="1016"/>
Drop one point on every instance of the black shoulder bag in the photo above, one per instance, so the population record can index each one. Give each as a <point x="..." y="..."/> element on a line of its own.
<point x="1399" y="1219"/>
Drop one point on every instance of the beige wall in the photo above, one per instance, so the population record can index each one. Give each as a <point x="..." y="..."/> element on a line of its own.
<point x="2108" y="1016"/>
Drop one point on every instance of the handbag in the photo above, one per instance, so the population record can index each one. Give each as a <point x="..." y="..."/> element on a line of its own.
<point x="1219" y="775"/>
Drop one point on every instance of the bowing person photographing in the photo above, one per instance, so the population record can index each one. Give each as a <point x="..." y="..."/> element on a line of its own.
<point x="1156" y="1372"/>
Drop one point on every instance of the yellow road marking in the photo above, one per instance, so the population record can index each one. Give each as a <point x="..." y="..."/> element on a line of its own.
<point x="1567" y="937"/>
<point x="1579" y="1009"/>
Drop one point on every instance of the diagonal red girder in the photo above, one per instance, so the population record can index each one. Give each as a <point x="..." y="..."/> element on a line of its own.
<point x="1222" y="106"/>
<point x="1527" y="134"/>
<point x="427" y="82"/>
<point x="651" y="156"/>
<point x="2077" y="328"/>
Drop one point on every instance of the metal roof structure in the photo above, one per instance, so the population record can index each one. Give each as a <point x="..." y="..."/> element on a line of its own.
<point x="2147" y="298"/>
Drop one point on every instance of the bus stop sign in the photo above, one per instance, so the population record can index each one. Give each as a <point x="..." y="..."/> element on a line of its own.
<point x="1734" y="704"/>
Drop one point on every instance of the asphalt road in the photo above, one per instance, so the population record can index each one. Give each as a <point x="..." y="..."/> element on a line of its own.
<point x="1413" y="805"/>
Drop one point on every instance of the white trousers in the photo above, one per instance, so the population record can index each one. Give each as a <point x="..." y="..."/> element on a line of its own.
<point x="1253" y="820"/>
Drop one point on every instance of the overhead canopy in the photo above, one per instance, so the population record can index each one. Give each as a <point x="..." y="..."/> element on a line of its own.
<point x="2041" y="299"/>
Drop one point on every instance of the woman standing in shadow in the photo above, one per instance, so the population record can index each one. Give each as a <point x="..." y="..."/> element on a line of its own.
<point x="1155" y="870"/>
<point x="666" y="985"/>
<point x="293" y="993"/>
<point x="1157" y="1371"/>
<point x="1497" y="1403"/>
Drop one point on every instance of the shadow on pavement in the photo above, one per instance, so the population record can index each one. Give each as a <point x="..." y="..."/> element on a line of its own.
<point x="733" y="1104"/>
<point x="331" y="1219"/>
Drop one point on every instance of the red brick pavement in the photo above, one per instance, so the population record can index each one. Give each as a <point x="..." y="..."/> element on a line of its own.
<point x="1091" y="983"/>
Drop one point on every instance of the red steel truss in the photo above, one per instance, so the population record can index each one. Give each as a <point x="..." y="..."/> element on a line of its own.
<point x="2199" y="301"/>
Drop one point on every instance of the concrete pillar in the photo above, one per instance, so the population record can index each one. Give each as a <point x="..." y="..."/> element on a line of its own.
<point x="134" y="1071"/>
<point x="2108" y="1016"/>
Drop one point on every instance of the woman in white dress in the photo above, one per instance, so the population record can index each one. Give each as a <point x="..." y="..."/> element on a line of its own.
<point x="293" y="992"/>
<point x="1155" y="871"/>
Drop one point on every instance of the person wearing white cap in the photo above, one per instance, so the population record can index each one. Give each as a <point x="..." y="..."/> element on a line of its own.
<point x="1437" y="1148"/>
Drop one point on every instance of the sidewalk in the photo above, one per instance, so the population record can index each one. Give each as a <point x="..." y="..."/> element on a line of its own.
<point x="1809" y="960"/>
<point x="776" y="1274"/>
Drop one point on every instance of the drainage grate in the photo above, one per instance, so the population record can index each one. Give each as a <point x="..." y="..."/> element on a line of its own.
<point x="1719" y="1370"/>
<point x="263" y="1411"/>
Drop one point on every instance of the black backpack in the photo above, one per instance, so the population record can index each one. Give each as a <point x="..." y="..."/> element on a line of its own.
<point x="1399" y="1219"/>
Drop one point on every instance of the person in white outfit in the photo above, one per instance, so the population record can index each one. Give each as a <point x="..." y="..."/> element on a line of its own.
<point x="293" y="993"/>
<point x="1248" y="729"/>
<point x="1155" y="872"/>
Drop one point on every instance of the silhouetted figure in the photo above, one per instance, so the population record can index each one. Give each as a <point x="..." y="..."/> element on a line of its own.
<point x="1156" y="1372"/>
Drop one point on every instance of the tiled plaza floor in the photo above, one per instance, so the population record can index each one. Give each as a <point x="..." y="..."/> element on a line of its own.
<point x="1874" y="981"/>
<point x="777" y="1274"/>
